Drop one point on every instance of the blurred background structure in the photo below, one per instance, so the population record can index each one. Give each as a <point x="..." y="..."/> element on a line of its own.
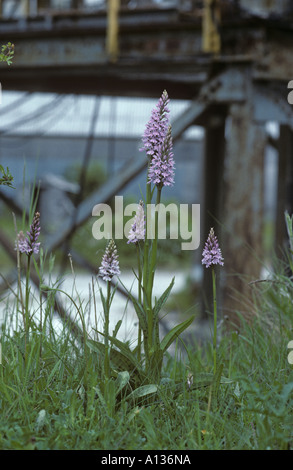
<point x="84" y="79"/>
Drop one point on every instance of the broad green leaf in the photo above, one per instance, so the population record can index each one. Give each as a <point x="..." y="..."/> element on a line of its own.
<point x="162" y="300"/>
<point x="122" y="380"/>
<point x="96" y="346"/>
<point x="156" y="360"/>
<point x="139" y="311"/>
<point x="286" y="391"/>
<point x="104" y="302"/>
<point x="122" y="362"/>
<point x="175" y="332"/>
<point x="55" y="369"/>
<point x="158" y="306"/>
<point x="117" y="328"/>
<point x="133" y="413"/>
<point x="122" y="359"/>
<point x="101" y="397"/>
<point x="53" y="395"/>
<point x="206" y="378"/>
<point x="236" y="391"/>
<point x="200" y="381"/>
<point x="119" y="344"/>
<point x="143" y="391"/>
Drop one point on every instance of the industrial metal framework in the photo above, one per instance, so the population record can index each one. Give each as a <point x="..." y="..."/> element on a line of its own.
<point x="232" y="61"/>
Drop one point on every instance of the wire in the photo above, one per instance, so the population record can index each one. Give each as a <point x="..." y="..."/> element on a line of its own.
<point x="16" y="103"/>
<point x="34" y="115"/>
<point x="23" y="141"/>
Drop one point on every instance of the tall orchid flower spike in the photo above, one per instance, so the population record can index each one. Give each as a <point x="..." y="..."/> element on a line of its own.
<point x="29" y="244"/>
<point x="157" y="127"/>
<point x="109" y="268"/>
<point x="110" y="263"/>
<point x="161" y="171"/>
<point x="212" y="254"/>
<point x="137" y="231"/>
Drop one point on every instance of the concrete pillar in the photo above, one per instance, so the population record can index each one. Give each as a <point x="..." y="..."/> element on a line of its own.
<point x="243" y="206"/>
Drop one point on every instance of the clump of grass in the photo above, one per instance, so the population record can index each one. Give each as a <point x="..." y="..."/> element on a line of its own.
<point x="45" y="405"/>
<point x="54" y="400"/>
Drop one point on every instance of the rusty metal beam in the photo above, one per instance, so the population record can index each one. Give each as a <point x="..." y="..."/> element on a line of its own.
<point x="156" y="47"/>
<point x="69" y="53"/>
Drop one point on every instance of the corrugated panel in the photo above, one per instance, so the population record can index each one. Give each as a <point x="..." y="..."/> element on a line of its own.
<point x="58" y="115"/>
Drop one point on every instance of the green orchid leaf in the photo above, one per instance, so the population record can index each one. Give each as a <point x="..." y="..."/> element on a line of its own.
<point x="143" y="391"/>
<point x="122" y="380"/>
<point x="175" y="332"/>
<point x="162" y="300"/>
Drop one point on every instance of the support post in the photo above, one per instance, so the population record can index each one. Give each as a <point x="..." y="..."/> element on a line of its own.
<point x="113" y="29"/>
<point x="285" y="186"/>
<point x="26" y="7"/>
<point x="212" y="194"/>
<point x="243" y="219"/>
<point x="211" y="27"/>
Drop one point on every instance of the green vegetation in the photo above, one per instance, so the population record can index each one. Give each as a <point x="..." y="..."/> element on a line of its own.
<point x="54" y="393"/>
<point x="7" y="53"/>
<point x="6" y="179"/>
<point x="53" y="396"/>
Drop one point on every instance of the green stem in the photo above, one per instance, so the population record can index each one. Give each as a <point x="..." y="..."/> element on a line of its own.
<point x="27" y="288"/>
<point x="106" y="331"/>
<point x="146" y="244"/>
<point x="155" y="244"/>
<point x="26" y="326"/>
<point x="139" y="299"/>
<point x="153" y="263"/>
<point x="215" y="321"/>
<point x="145" y="273"/>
